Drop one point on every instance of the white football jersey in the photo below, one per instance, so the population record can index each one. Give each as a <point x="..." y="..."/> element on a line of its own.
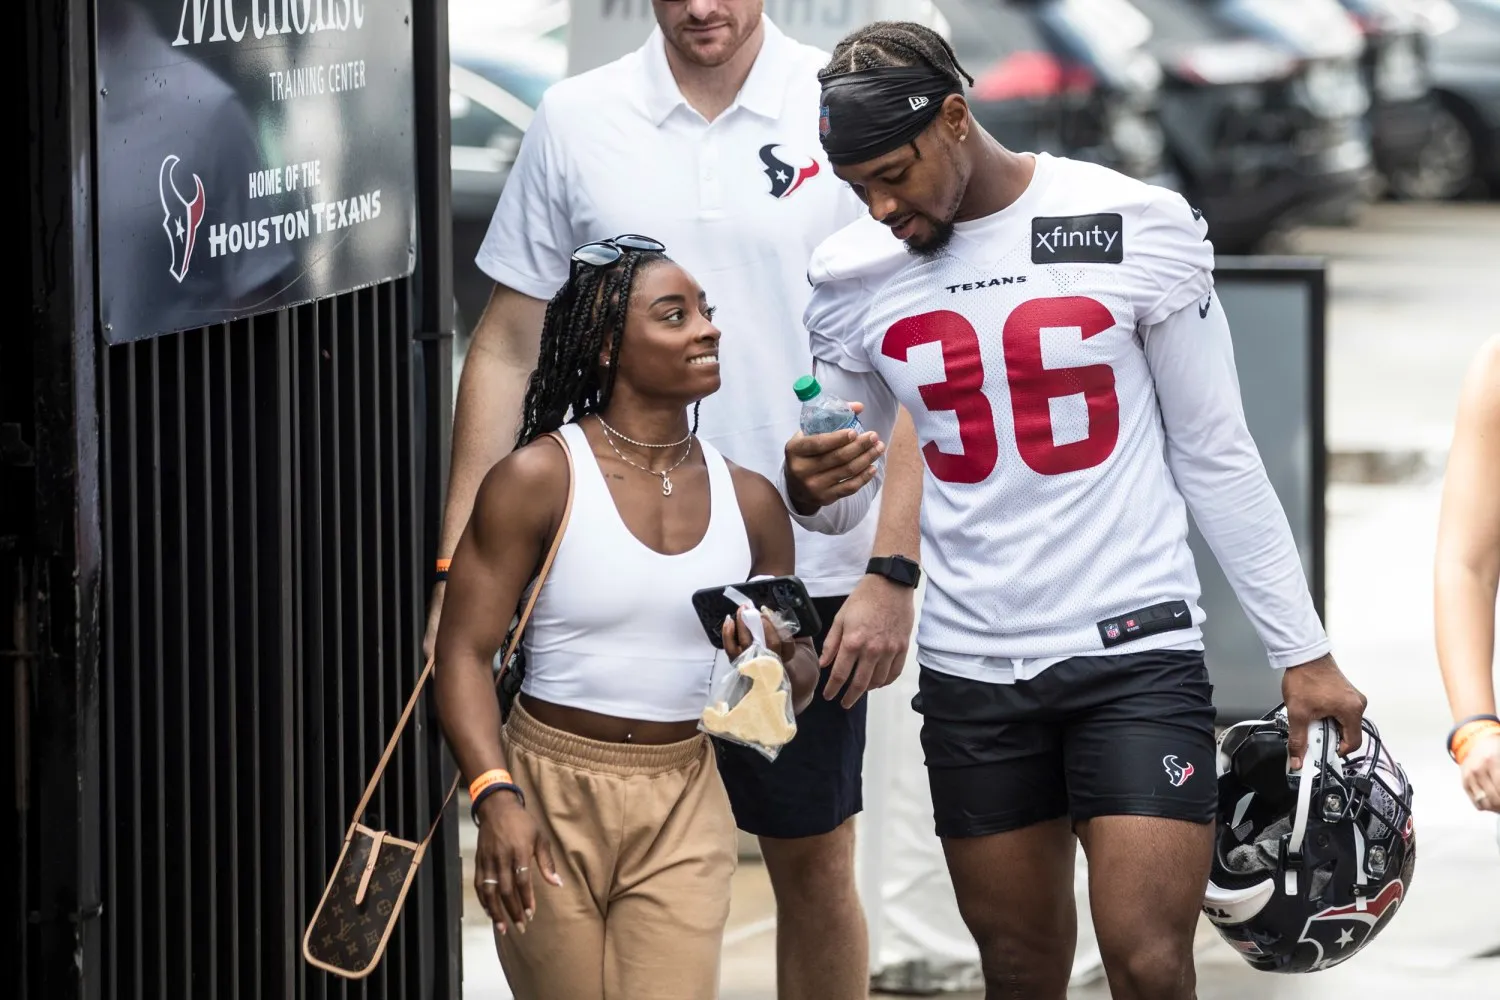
<point x="1051" y="523"/>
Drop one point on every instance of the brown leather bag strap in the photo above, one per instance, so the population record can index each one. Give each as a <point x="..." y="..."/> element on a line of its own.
<point x="411" y="703"/>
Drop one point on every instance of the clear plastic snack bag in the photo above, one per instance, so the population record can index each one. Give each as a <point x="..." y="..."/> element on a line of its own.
<point x="752" y="703"/>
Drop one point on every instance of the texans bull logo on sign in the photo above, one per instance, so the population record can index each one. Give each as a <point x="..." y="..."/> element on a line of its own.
<point x="181" y="216"/>
<point x="1338" y="931"/>
<point x="785" y="178"/>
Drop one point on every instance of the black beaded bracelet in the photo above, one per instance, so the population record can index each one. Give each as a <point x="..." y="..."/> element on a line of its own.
<point x="1464" y="722"/>
<point x="488" y="790"/>
<point x="440" y="576"/>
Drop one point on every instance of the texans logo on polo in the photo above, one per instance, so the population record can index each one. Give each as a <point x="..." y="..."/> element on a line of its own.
<point x="1178" y="772"/>
<point x="1338" y="931"/>
<point x="785" y="178"/>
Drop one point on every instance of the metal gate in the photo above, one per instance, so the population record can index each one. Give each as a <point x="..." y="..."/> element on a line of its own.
<point x="213" y="553"/>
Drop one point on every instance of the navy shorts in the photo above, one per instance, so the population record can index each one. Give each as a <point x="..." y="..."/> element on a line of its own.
<point x="1124" y="735"/>
<point x="815" y="783"/>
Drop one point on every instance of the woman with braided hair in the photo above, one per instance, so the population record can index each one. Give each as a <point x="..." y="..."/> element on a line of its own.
<point x="599" y="777"/>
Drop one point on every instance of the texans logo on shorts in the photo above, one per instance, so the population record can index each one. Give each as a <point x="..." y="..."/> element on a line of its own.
<point x="785" y="178"/>
<point x="1177" y="772"/>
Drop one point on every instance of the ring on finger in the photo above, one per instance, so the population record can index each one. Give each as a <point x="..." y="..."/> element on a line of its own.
<point x="490" y="881"/>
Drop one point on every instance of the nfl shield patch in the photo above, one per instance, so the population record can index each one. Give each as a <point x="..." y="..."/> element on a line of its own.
<point x="1112" y="630"/>
<point x="823" y="125"/>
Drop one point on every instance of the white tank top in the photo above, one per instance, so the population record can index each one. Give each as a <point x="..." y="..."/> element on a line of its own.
<point x="614" y="630"/>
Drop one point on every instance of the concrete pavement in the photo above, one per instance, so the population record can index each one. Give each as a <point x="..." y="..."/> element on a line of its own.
<point x="1409" y="304"/>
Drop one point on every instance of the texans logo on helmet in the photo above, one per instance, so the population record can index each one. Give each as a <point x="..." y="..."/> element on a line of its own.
<point x="785" y="178"/>
<point x="1338" y="931"/>
<point x="1177" y="771"/>
<point x="182" y="217"/>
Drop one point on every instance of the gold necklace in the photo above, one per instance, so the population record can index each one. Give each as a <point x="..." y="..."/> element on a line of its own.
<point x="640" y="444"/>
<point x="666" y="475"/>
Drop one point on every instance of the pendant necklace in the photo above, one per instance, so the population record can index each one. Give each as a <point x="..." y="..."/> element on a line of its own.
<point x="666" y="475"/>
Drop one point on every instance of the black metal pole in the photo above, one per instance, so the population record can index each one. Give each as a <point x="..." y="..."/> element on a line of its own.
<point x="440" y="972"/>
<point x="63" y="919"/>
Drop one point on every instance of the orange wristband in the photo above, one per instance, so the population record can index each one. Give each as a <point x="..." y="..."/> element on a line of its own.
<point x="1467" y="736"/>
<point x="443" y="565"/>
<point x="495" y="776"/>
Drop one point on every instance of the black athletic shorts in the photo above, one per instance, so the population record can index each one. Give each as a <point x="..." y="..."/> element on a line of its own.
<point x="1130" y="734"/>
<point x="815" y="783"/>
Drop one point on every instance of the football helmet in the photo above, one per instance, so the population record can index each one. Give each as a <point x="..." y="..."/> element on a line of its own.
<point x="1309" y="866"/>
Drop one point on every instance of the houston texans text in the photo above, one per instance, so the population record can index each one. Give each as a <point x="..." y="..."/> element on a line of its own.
<point x="318" y="218"/>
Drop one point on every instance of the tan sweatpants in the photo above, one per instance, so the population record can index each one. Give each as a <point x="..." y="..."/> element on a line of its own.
<point x="645" y="845"/>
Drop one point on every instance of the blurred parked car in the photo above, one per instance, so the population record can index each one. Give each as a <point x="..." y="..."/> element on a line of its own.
<point x="1396" y="73"/>
<point x="1068" y="77"/>
<point x="496" y="82"/>
<point x="1262" y="107"/>
<point x="1463" y="154"/>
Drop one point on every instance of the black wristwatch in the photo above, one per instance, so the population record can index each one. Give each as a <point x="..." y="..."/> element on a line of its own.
<point x="897" y="569"/>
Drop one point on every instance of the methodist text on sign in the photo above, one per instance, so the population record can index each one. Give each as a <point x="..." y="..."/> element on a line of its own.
<point x="252" y="155"/>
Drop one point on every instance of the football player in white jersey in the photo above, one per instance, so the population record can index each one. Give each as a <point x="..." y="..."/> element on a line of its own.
<point x="1052" y="327"/>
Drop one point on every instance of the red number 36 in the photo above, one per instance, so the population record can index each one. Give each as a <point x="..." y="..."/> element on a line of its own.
<point x="1031" y="388"/>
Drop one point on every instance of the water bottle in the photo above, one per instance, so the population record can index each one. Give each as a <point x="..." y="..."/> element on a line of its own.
<point x="822" y="412"/>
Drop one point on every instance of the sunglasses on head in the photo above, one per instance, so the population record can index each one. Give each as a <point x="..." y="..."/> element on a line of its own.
<point x="602" y="253"/>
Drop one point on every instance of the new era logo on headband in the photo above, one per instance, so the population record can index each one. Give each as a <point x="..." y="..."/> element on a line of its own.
<point x="917" y="103"/>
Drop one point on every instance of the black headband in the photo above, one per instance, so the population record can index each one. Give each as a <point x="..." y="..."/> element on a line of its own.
<point x="873" y="111"/>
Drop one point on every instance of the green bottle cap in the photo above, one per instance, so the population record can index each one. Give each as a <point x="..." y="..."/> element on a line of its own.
<point x="806" y="388"/>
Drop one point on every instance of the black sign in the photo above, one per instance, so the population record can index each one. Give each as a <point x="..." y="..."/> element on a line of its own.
<point x="1078" y="239"/>
<point x="252" y="154"/>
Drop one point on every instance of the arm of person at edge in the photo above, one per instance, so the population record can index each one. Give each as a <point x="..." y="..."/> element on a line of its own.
<point x="1467" y="574"/>
<point x="1219" y="472"/>
<point x="526" y="251"/>
<point x="517" y="511"/>
<point x="773" y="552"/>
<point x="486" y="414"/>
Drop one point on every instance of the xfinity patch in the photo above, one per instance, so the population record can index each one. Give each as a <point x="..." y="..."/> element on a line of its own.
<point x="1078" y="239"/>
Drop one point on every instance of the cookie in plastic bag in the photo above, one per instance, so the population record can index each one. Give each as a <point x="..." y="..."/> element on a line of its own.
<point x="752" y="704"/>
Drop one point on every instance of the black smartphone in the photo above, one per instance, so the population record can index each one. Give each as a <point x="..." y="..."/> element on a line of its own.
<point x="784" y="594"/>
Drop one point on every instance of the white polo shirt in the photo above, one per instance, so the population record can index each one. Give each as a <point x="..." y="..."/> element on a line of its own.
<point x="740" y="202"/>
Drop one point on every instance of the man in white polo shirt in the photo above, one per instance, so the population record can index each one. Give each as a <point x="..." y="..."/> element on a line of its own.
<point x="706" y="139"/>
